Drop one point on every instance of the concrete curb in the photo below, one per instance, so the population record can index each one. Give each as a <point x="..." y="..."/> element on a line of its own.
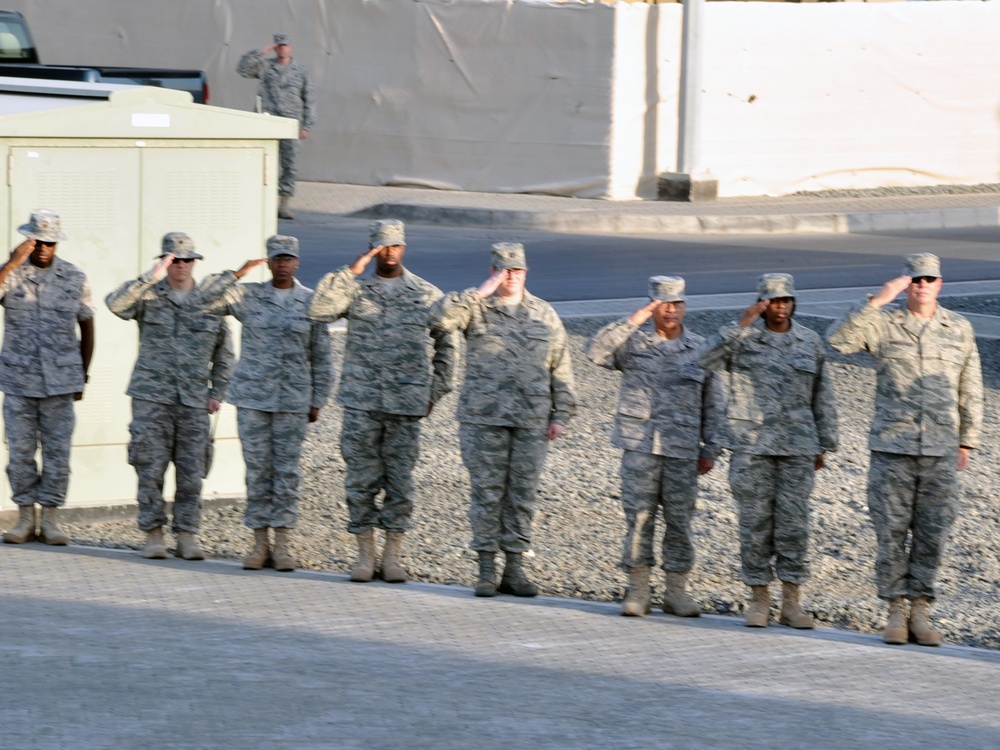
<point x="587" y="221"/>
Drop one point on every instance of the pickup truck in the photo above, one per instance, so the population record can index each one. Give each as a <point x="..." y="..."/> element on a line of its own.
<point x="19" y="58"/>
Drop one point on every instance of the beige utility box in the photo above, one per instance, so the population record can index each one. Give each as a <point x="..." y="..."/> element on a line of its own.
<point x="122" y="166"/>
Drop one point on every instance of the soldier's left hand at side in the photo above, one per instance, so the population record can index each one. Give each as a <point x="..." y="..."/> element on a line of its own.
<point x="314" y="414"/>
<point x="556" y="430"/>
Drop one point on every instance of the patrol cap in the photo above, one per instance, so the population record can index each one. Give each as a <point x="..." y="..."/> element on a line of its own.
<point x="281" y="244"/>
<point x="386" y="232"/>
<point x="282" y="39"/>
<point x="508" y="255"/>
<point x="667" y="289"/>
<point x="44" y="225"/>
<point x="775" y="285"/>
<point x="180" y="245"/>
<point x="922" y="264"/>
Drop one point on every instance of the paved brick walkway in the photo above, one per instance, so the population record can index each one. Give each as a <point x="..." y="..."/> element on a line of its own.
<point x="101" y="649"/>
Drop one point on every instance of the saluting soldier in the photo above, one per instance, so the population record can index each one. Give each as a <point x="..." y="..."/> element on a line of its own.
<point x="928" y="417"/>
<point x="517" y="396"/>
<point x="180" y="378"/>
<point x="285" y="90"/>
<point x="281" y="382"/>
<point x="669" y="413"/>
<point x="397" y="365"/>
<point x="782" y="420"/>
<point x="43" y="369"/>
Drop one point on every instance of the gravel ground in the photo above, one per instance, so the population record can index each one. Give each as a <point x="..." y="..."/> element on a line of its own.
<point x="579" y="523"/>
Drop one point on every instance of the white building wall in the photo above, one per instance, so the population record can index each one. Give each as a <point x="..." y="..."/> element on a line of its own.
<point x="578" y="98"/>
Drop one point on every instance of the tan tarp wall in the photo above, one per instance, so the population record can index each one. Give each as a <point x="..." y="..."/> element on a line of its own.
<point x="581" y="99"/>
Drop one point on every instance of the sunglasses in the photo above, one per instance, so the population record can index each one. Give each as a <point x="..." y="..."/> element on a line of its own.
<point x="175" y="261"/>
<point x="928" y="279"/>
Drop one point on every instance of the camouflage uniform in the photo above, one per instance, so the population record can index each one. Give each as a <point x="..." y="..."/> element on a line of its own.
<point x="286" y="91"/>
<point x="185" y="358"/>
<point x="669" y="413"/>
<point x="396" y="365"/>
<point x="928" y="402"/>
<point x="518" y="380"/>
<point x="285" y="369"/>
<point x="41" y="368"/>
<point x="781" y="415"/>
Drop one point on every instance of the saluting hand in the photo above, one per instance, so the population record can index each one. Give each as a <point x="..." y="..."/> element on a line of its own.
<point x="249" y="266"/>
<point x="21" y="253"/>
<point x="889" y="291"/>
<point x="644" y="313"/>
<point x="159" y="269"/>
<point x="491" y="284"/>
<point x="752" y="313"/>
<point x="358" y="267"/>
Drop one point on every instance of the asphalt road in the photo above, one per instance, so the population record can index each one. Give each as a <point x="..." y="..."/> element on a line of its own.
<point x="581" y="267"/>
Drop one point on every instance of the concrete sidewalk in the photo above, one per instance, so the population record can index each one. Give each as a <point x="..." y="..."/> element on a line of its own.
<point x="516" y="211"/>
<point x="102" y="649"/>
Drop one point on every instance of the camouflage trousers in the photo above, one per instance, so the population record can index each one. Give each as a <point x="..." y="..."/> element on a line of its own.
<point x="162" y="433"/>
<point x="380" y="451"/>
<point x="772" y="496"/>
<point x="272" y="445"/>
<point x="504" y="464"/>
<point x="288" y="157"/>
<point x="915" y="497"/>
<point x="30" y="422"/>
<point x="650" y="482"/>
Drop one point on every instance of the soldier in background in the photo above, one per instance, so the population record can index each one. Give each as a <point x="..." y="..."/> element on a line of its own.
<point x="782" y="419"/>
<point x="517" y="396"/>
<point x="285" y="90"/>
<point x="281" y="383"/>
<point x="928" y="416"/>
<point x="669" y="413"/>
<point x="180" y="378"/>
<point x="396" y="367"/>
<point x="43" y="370"/>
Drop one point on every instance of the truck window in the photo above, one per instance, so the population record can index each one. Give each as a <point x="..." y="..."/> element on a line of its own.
<point x="15" y="41"/>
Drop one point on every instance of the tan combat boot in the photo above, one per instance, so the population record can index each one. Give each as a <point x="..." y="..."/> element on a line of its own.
<point x="24" y="530"/>
<point x="514" y="581"/>
<point x="636" y="602"/>
<point x="284" y="208"/>
<point x="792" y="615"/>
<point x="281" y="555"/>
<point x="487" y="583"/>
<point x="920" y="624"/>
<point x="49" y="531"/>
<point x="895" y="628"/>
<point x="364" y="569"/>
<point x="676" y="600"/>
<point x="155" y="549"/>
<point x="392" y="570"/>
<point x="759" y="612"/>
<point x="260" y="555"/>
<point x="187" y="546"/>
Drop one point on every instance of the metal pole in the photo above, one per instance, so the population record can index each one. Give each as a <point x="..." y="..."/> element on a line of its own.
<point x="688" y="156"/>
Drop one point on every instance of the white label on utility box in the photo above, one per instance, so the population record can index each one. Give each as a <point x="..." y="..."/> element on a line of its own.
<point x="150" y="120"/>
